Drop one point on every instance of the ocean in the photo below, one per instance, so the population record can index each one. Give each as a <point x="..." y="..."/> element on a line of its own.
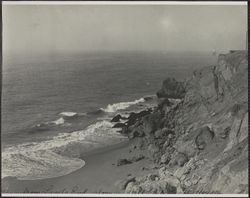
<point x="54" y="108"/>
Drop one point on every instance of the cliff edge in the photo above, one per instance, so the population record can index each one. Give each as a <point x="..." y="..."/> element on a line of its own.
<point x="198" y="133"/>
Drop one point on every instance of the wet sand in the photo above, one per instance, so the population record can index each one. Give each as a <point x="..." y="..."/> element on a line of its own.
<point x="99" y="175"/>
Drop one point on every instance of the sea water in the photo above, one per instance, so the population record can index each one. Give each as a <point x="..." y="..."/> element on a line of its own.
<point x="56" y="107"/>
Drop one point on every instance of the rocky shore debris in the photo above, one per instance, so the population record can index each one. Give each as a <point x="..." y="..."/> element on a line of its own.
<point x="122" y="184"/>
<point x="125" y="161"/>
<point x="119" y="125"/>
<point x="121" y="162"/>
<point x="117" y="118"/>
<point x="148" y="98"/>
<point x="150" y="183"/>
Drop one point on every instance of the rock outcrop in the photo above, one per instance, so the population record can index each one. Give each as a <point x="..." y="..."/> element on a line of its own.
<point x="198" y="134"/>
<point x="171" y="89"/>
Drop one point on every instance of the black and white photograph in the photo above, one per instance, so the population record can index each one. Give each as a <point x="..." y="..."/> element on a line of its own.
<point x="124" y="98"/>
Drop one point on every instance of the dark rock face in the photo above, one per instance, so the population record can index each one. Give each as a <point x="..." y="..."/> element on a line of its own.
<point x="133" y="127"/>
<point x="171" y="89"/>
<point x="117" y="118"/>
<point x="210" y="121"/>
<point x="119" y="125"/>
<point x="148" y="98"/>
<point x="151" y="122"/>
<point x="124" y="161"/>
<point x="133" y="117"/>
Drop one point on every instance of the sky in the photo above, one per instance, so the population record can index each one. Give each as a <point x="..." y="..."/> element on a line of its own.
<point x="35" y="29"/>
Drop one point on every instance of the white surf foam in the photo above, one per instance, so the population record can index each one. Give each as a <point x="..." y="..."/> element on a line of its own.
<point x="121" y="105"/>
<point x="40" y="164"/>
<point x="68" y="114"/>
<point x="58" y="121"/>
<point x="57" y="156"/>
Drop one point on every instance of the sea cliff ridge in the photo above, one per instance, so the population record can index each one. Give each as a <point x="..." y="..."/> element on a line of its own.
<point x="198" y="133"/>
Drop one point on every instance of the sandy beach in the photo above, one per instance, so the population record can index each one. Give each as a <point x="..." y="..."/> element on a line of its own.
<point x="99" y="175"/>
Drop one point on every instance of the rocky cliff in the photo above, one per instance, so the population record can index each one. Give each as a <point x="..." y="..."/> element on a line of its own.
<point x="198" y="133"/>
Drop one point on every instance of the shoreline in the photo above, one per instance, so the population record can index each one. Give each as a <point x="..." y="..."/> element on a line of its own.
<point x="100" y="174"/>
<point x="103" y="124"/>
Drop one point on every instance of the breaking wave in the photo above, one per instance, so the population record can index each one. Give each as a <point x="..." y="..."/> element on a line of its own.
<point x="68" y="114"/>
<point x="58" y="156"/>
<point x="121" y="105"/>
<point x="58" y="121"/>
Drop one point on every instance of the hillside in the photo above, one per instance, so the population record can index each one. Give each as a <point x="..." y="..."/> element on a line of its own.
<point x="198" y="134"/>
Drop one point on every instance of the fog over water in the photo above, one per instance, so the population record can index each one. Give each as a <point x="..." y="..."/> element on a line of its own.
<point x="37" y="29"/>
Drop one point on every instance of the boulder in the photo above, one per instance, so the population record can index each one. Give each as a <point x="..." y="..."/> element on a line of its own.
<point x="122" y="184"/>
<point x="186" y="146"/>
<point x="116" y="118"/>
<point x="171" y="89"/>
<point x="152" y="177"/>
<point x="204" y="137"/>
<point x="145" y="112"/>
<point x="179" y="159"/>
<point x="121" y="162"/>
<point x="148" y="98"/>
<point x="165" y="158"/>
<point x="170" y="134"/>
<point x="160" y="141"/>
<point x="186" y="169"/>
<point x="133" y="117"/>
<point x="172" y="180"/>
<point x="137" y="158"/>
<point x="149" y="186"/>
<point x="133" y="188"/>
